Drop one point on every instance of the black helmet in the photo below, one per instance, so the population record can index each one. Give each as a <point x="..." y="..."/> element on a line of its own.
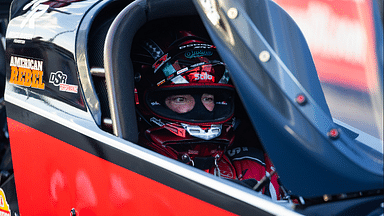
<point x="183" y="87"/>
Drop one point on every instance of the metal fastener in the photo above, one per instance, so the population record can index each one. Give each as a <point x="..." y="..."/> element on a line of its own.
<point x="264" y="56"/>
<point x="301" y="99"/>
<point x="232" y="13"/>
<point x="185" y="157"/>
<point x="137" y="77"/>
<point x="326" y="198"/>
<point x="333" y="133"/>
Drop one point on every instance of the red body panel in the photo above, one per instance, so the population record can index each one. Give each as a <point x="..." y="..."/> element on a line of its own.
<point x="52" y="177"/>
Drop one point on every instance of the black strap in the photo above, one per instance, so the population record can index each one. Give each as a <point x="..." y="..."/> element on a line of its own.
<point x="204" y="163"/>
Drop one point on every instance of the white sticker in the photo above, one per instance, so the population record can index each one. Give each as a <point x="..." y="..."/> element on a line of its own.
<point x="4" y="207"/>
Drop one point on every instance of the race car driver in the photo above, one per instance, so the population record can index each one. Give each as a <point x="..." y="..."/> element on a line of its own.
<point x="186" y="107"/>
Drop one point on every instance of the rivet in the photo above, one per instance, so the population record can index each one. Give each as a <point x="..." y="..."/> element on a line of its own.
<point x="326" y="198"/>
<point x="333" y="133"/>
<point x="301" y="99"/>
<point x="137" y="77"/>
<point x="264" y="56"/>
<point x="232" y="13"/>
<point x="184" y="157"/>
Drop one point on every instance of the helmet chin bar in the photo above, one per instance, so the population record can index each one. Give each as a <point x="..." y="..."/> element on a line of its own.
<point x="206" y="134"/>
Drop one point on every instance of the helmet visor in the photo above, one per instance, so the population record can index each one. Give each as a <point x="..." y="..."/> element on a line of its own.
<point x="193" y="104"/>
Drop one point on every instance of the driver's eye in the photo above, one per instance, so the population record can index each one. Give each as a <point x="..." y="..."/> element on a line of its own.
<point x="180" y="103"/>
<point x="179" y="99"/>
<point x="208" y="101"/>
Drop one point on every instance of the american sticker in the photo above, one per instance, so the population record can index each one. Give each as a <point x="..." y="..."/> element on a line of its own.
<point x="26" y="72"/>
<point x="60" y="79"/>
<point x="4" y="207"/>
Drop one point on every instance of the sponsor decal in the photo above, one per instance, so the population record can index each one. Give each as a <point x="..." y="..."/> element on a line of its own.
<point x="203" y="76"/>
<point x="27" y="72"/>
<point x="38" y="8"/>
<point x="57" y="78"/>
<point x="182" y="70"/>
<point x="237" y="150"/>
<point x="175" y="130"/>
<point x="160" y="62"/>
<point x="193" y="152"/>
<point x="197" y="46"/>
<point x="158" y="122"/>
<point x="168" y="69"/>
<point x="4" y="207"/>
<point x="222" y="103"/>
<point x="170" y="76"/>
<point x="197" y="53"/>
<point x="155" y="103"/>
<point x="60" y="79"/>
<point x="68" y="88"/>
<point x="161" y="82"/>
<point x="179" y="80"/>
<point x="198" y="64"/>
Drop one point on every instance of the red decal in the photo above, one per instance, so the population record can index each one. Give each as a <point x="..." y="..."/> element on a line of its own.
<point x="176" y="130"/>
<point x="68" y="88"/>
<point x="160" y="62"/>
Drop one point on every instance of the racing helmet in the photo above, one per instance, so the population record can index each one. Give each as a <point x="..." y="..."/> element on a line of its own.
<point x="183" y="87"/>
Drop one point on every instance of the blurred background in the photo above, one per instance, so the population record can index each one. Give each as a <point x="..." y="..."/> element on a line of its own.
<point x="348" y="55"/>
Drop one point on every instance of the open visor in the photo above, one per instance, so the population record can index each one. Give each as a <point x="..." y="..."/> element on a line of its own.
<point x="192" y="103"/>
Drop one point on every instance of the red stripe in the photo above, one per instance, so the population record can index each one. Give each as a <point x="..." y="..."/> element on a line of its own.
<point x="52" y="177"/>
<point x="1" y="210"/>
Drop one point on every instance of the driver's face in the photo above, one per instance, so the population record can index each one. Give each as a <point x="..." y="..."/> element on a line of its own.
<point x="185" y="103"/>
